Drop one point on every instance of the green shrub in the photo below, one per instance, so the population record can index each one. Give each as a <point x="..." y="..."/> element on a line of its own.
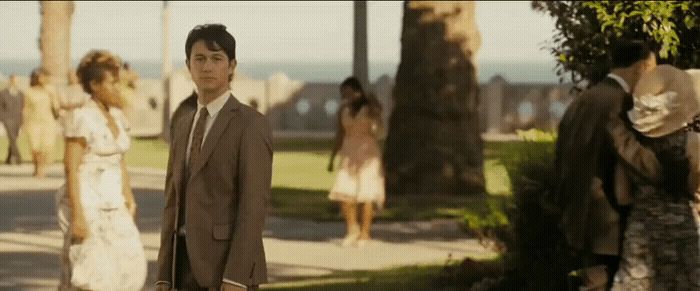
<point x="534" y="250"/>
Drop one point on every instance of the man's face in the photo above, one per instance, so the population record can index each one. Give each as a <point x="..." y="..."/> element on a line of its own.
<point x="13" y="80"/>
<point x="106" y="90"/>
<point x="642" y="67"/>
<point x="210" y="69"/>
<point x="648" y="64"/>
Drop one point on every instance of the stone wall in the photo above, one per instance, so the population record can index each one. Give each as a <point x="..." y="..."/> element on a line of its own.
<point x="294" y="106"/>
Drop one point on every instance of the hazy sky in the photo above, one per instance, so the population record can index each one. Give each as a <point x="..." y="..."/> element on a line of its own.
<point x="266" y="31"/>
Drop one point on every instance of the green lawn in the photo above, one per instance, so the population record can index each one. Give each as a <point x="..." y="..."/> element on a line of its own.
<point x="300" y="182"/>
<point x="144" y="152"/>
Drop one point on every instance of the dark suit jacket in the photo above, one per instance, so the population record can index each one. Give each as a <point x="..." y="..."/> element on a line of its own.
<point x="228" y="194"/>
<point x="11" y="107"/>
<point x="594" y="135"/>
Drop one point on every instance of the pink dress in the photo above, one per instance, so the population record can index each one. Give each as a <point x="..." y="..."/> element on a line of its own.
<point x="360" y="177"/>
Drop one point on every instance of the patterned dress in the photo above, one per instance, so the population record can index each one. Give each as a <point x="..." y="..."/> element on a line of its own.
<point x="39" y="121"/>
<point x="661" y="247"/>
<point x="112" y="256"/>
<point x="360" y="176"/>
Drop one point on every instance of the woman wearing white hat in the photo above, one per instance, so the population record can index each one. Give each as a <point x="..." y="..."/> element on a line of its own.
<point x="661" y="247"/>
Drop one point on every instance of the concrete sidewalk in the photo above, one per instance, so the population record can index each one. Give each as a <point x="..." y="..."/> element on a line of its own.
<point x="296" y="249"/>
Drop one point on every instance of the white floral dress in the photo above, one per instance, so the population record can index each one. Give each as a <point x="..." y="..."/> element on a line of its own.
<point x="112" y="257"/>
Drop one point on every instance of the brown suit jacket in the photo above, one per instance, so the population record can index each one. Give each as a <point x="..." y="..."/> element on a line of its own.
<point x="227" y="196"/>
<point x="594" y="137"/>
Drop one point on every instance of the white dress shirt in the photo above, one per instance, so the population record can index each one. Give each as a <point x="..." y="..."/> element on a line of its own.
<point x="622" y="82"/>
<point x="213" y="108"/>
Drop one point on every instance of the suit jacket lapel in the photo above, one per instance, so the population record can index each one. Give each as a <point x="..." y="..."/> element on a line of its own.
<point x="227" y="113"/>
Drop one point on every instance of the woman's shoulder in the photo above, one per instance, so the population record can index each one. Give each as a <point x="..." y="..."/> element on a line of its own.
<point x="84" y="115"/>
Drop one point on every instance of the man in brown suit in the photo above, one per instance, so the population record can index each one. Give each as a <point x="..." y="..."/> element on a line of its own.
<point x="218" y="180"/>
<point x="595" y="136"/>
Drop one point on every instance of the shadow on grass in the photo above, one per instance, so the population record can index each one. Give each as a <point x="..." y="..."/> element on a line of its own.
<point x="296" y="214"/>
<point x="314" y="205"/>
<point x="414" y="278"/>
<point x="309" y="215"/>
<point x="36" y="210"/>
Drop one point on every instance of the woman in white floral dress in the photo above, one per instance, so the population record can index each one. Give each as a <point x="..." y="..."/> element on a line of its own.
<point x="96" y="207"/>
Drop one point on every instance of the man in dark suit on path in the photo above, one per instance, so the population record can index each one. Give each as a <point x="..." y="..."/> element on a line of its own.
<point x="218" y="179"/>
<point x="11" y="104"/>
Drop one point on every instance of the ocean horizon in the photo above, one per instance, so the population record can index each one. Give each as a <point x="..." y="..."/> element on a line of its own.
<point x="514" y="72"/>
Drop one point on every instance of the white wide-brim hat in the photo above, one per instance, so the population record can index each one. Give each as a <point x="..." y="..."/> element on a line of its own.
<point x="666" y="99"/>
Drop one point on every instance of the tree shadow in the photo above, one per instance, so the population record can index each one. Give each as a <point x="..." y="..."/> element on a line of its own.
<point x="405" y="219"/>
<point x="35" y="210"/>
<point x="24" y="270"/>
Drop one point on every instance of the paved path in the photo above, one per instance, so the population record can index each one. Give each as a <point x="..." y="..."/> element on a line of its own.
<point x="296" y="249"/>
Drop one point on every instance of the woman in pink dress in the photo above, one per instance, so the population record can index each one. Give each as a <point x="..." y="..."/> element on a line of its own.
<point x="360" y="179"/>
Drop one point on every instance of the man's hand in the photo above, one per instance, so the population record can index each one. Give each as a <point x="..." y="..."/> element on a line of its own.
<point x="162" y="287"/>
<point x="231" y="287"/>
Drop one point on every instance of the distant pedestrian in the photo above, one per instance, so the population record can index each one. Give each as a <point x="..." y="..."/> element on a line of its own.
<point x="41" y="107"/>
<point x="360" y="178"/>
<point x="73" y="96"/>
<point x="11" y="104"/>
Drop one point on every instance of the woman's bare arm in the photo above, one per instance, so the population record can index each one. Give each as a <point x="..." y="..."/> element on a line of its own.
<point x="75" y="148"/>
<point x="338" y="141"/>
<point x="127" y="191"/>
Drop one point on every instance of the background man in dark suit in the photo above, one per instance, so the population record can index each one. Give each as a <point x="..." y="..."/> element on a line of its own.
<point x="594" y="136"/>
<point x="11" y="104"/>
<point x="218" y="179"/>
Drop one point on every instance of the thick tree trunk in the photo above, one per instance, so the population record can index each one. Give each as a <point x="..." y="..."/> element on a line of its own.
<point x="54" y="39"/>
<point x="166" y="71"/>
<point x="434" y="144"/>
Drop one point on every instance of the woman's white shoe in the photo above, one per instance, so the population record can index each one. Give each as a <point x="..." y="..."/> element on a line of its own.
<point x="350" y="239"/>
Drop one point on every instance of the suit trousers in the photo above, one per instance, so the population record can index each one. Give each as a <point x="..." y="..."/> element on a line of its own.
<point x="612" y="263"/>
<point x="184" y="278"/>
<point x="12" y="130"/>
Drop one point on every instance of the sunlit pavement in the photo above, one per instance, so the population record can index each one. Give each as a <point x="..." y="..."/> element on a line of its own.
<point x="296" y="249"/>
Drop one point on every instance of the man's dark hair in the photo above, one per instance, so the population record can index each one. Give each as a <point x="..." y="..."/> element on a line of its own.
<point x="354" y="84"/>
<point x="216" y="38"/>
<point x="627" y="52"/>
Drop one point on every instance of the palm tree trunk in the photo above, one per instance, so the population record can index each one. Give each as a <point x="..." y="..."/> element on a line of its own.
<point x="54" y="39"/>
<point x="360" y="66"/>
<point x="434" y="143"/>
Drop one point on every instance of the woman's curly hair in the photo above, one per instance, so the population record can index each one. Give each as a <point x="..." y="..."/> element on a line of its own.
<point x="93" y="66"/>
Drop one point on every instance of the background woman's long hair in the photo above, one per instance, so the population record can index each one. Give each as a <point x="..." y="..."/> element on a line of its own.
<point x="35" y="77"/>
<point x="375" y="108"/>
